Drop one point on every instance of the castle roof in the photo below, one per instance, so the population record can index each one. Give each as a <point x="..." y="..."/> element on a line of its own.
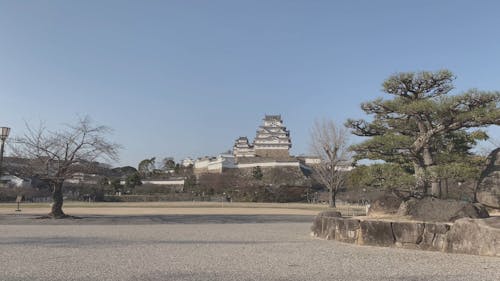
<point x="272" y="118"/>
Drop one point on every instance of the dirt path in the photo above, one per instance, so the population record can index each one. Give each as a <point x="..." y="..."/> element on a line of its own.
<point x="128" y="211"/>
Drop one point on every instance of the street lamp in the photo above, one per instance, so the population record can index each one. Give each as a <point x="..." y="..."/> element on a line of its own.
<point x="4" y="133"/>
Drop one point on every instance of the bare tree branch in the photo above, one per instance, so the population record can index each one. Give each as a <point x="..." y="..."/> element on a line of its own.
<point x="56" y="155"/>
<point x="330" y="143"/>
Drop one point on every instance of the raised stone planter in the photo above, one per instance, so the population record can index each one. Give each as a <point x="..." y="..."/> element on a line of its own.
<point x="468" y="236"/>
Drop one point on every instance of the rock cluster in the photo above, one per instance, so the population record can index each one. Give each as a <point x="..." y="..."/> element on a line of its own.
<point x="385" y="204"/>
<point x="433" y="209"/>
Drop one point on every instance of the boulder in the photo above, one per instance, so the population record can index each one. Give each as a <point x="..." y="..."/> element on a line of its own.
<point x="408" y="234"/>
<point x="330" y="227"/>
<point x="488" y="188"/>
<point x="376" y="233"/>
<point x="433" y="209"/>
<point x="489" y="198"/>
<point x="386" y="204"/>
<point x="477" y="237"/>
<point x="347" y="230"/>
<point x="321" y="223"/>
<point x="434" y="236"/>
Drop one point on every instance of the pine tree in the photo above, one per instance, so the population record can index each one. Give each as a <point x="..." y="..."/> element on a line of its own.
<point x="421" y="121"/>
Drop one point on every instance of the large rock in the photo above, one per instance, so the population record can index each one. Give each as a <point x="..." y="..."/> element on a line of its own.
<point x="387" y="204"/>
<point x="347" y="230"/>
<point x="322" y="223"/>
<point x="407" y="234"/>
<point x="433" y="209"/>
<point x="477" y="237"/>
<point x="434" y="236"/>
<point x="488" y="192"/>
<point x="376" y="233"/>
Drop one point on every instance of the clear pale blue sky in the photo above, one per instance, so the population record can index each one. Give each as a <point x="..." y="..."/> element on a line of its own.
<point x="186" y="78"/>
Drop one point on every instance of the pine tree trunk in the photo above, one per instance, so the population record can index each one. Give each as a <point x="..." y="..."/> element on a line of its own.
<point x="57" y="201"/>
<point x="474" y="191"/>
<point x="429" y="162"/>
<point x="421" y="183"/>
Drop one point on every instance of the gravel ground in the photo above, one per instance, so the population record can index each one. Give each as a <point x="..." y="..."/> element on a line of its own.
<point x="211" y="248"/>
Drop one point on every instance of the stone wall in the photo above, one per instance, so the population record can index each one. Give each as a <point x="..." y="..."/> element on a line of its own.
<point x="260" y="159"/>
<point x="278" y="184"/>
<point x="286" y="176"/>
<point x="467" y="236"/>
<point x="272" y="153"/>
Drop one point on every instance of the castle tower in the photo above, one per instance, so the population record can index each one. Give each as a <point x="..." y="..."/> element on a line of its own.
<point x="242" y="148"/>
<point x="272" y="139"/>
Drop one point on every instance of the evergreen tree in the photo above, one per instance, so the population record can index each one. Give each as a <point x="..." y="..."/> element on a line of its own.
<point x="423" y="126"/>
<point x="146" y="167"/>
<point x="257" y="173"/>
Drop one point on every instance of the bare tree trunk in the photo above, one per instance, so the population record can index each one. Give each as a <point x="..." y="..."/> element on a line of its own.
<point x="332" y="198"/>
<point x="57" y="198"/>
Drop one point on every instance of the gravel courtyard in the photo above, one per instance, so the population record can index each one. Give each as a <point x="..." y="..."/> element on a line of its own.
<point x="210" y="247"/>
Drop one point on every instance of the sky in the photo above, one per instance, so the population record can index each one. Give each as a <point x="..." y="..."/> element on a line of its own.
<point x="186" y="78"/>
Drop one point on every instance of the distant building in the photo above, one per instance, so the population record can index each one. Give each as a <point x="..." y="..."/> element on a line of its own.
<point x="272" y="139"/>
<point x="187" y="162"/>
<point x="214" y="164"/>
<point x="83" y="178"/>
<point x="242" y="148"/>
<point x="309" y="160"/>
<point x="14" y="181"/>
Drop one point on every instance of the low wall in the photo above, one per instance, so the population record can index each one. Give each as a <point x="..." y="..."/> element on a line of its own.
<point x="467" y="236"/>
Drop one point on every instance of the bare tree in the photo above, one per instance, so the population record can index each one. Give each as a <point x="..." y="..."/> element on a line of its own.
<point x="330" y="143"/>
<point x="56" y="155"/>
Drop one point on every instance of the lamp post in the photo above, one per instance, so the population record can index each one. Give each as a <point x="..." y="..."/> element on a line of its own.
<point x="4" y="133"/>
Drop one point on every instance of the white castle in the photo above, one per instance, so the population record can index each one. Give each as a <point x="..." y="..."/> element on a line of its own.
<point x="272" y="140"/>
<point x="270" y="148"/>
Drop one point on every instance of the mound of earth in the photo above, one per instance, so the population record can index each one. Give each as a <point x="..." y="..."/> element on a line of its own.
<point x="432" y="209"/>
<point x="387" y="204"/>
